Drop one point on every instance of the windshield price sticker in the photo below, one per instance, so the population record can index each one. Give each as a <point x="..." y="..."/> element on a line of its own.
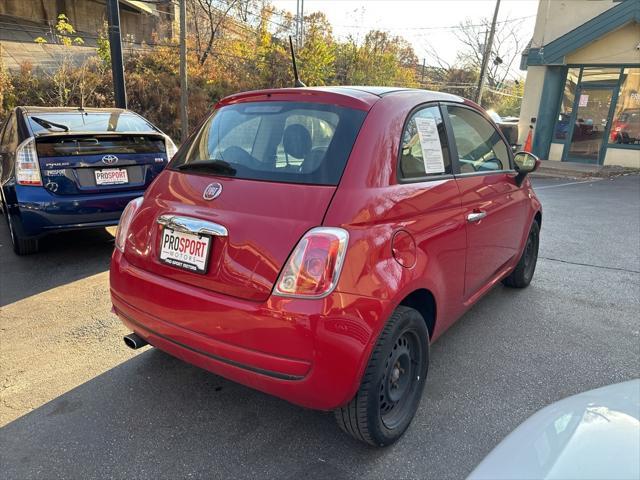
<point x="430" y="144"/>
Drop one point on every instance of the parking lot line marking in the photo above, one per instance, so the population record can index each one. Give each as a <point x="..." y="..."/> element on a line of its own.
<point x="619" y="269"/>
<point x="593" y="180"/>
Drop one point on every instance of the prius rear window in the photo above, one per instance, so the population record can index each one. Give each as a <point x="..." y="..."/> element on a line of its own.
<point x="70" y="145"/>
<point x="88" y="122"/>
<point x="294" y="142"/>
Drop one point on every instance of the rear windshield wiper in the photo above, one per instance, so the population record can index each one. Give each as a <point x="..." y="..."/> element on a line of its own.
<point x="212" y="165"/>
<point x="49" y="125"/>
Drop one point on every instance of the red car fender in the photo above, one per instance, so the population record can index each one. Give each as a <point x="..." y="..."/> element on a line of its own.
<point x="536" y="209"/>
<point x="385" y="314"/>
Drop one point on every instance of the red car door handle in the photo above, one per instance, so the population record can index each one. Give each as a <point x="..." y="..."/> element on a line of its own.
<point x="476" y="216"/>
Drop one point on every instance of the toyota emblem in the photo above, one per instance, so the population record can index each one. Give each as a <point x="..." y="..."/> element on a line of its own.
<point x="212" y="191"/>
<point x="109" y="159"/>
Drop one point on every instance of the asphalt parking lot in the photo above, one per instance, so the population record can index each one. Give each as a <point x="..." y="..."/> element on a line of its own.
<point x="76" y="404"/>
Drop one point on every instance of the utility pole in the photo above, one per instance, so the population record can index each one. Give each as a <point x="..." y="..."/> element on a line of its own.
<point x="486" y="54"/>
<point x="301" y="23"/>
<point x="115" y="43"/>
<point x="424" y="61"/>
<point x="184" y="115"/>
<point x="298" y="23"/>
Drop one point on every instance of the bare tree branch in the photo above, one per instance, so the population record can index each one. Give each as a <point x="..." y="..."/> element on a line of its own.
<point x="216" y="17"/>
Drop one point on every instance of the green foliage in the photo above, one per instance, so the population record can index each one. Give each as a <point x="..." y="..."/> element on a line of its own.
<point x="104" y="47"/>
<point x="7" y="90"/>
<point x="507" y="104"/>
<point x="317" y="57"/>
<point x="64" y="33"/>
<point x="271" y="58"/>
<point x="251" y="56"/>
<point x="381" y="60"/>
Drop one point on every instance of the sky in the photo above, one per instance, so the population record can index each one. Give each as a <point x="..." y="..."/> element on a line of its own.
<point x="419" y="21"/>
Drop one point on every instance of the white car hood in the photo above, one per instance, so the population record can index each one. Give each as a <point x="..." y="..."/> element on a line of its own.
<point x="592" y="435"/>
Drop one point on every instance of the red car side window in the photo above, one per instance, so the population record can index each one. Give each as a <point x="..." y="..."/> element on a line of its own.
<point x="480" y="146"/>
<point x="424" y="151"/>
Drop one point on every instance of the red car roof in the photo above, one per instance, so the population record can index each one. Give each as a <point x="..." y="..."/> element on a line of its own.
<point x="361" y="98"/>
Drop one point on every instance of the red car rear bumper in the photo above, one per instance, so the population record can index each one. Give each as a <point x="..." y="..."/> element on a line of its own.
<point x="309" y="352"/>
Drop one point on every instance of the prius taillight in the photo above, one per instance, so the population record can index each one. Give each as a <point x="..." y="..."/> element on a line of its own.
<point x="170" y="148"/>
<point x="27" y="168"/>
<point x="314" y="266"/>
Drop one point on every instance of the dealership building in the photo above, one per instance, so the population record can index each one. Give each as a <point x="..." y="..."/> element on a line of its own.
<point x="583" y="82"/>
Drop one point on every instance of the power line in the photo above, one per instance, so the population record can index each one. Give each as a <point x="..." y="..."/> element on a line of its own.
<point x="498" y="92"/>
<point x="450" y="27"/>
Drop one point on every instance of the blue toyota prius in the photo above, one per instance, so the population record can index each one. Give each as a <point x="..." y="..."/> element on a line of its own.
<point x="68" y="168"/>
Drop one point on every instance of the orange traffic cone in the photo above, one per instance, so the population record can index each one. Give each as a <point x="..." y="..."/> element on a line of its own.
<point x="528" y="143"/>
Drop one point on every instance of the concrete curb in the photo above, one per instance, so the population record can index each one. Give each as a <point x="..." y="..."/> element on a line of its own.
<point x="552" y="169"/>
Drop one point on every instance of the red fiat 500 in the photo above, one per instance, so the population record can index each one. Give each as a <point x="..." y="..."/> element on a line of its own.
<point x="312" y="242"/>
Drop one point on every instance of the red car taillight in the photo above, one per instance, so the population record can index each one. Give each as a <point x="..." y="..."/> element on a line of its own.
<point x="617" y="130"/>
<point x="27" y="168"/>
<point x="125" y="222"/>
<point x="314" y="266"/>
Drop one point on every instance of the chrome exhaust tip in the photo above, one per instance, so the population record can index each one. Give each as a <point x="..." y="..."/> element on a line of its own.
<point x="134" y="341"/>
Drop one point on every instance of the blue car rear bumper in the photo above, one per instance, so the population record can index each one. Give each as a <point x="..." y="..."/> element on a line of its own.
<point x="36" y="211"/>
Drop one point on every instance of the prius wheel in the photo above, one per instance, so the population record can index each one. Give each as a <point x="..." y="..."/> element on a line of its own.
<point x="21" y="245"/>
<point x="523" y="273"/>
<point x="392" y="384"/>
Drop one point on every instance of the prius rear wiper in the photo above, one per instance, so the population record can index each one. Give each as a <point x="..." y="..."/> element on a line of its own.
<point x="49" y="125"/>
<point x="211" y="165"/>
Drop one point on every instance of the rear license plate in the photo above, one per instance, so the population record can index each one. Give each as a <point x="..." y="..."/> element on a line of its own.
<point x="112" y="176"/>
<point x="187" y="251"/>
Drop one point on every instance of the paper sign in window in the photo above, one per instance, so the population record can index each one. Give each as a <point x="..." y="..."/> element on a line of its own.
<point x="430" y="144"/>
<point x="584" y="101"/>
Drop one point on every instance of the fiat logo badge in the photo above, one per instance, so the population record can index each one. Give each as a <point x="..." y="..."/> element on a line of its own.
<point x="212" y="191"/>
<point x="109" y="159"/>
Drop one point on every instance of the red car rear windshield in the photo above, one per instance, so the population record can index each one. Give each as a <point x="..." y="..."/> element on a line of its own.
<point x="294" y="142"/>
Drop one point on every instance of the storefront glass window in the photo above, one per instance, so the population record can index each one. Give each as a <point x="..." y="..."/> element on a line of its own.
<point x="562" y="126"/>
<point x="625" y="128"/>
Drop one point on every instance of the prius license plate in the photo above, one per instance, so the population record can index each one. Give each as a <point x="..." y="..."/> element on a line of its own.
<point x="112" y="176"/>
<point x="187" y="251"/>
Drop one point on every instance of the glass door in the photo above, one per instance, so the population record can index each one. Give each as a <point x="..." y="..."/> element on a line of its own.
<point x="590" y="124"/>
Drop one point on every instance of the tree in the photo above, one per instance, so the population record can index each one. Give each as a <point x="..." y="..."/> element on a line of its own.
<point x="382" y="59"/>
<point x="208" y="18"/>
<point x="7" y="89"/>
<point x="70" y="83"/>
<point x="502" y="93"/>
<point x="506" y="48"/>
<point x="232" y="46"/>
<point x="317" y="57"/>
<point x="454" y="80"/>
<point x="273" y="64"/>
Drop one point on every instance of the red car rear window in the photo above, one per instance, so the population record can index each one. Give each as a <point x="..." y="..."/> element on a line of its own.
<point x="294" y="142"/>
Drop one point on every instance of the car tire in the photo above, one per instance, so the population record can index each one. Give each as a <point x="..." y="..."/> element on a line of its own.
<point x="21" y="245"/>
<point x="392" y="383"/>
<point x="523" y="273"/>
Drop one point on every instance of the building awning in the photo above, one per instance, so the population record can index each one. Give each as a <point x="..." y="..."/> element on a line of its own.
<point x="140" y="6"/>
<point x="554" y="52"/>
